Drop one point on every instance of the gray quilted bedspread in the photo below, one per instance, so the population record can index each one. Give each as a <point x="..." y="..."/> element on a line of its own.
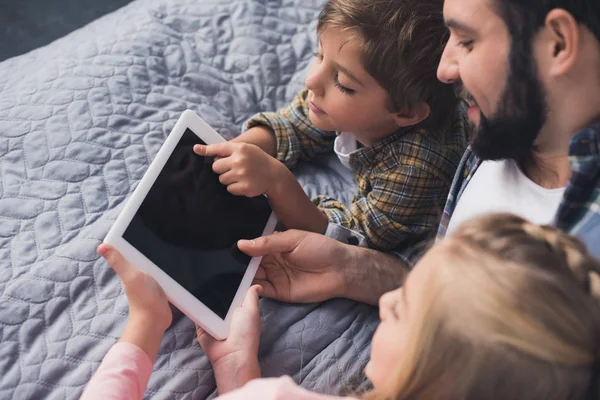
<point x="80" y="120"/>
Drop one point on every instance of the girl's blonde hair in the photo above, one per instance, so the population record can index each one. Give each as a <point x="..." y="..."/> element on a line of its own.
<point x="512" y="313"/>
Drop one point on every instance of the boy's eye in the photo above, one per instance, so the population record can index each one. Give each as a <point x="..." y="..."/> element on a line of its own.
<point x="318" y="55"/>
<point x="342" y="88"/>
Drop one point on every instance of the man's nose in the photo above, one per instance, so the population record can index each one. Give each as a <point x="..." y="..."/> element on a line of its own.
<point x="447" y="71"/>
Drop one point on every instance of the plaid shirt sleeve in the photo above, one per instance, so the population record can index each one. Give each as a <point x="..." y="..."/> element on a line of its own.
<point x="402" y="209"/>
<point x="297" y="138"/>
<point x="403" y="193"/>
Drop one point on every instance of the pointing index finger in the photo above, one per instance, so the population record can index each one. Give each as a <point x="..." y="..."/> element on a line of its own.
<point x="214" y="150"/>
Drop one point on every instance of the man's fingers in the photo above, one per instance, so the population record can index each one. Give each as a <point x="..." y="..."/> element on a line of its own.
<point x="261" y="274"/>
<point x="281" y="243"/>
<point x="116" y="261"/>
<point x="214" y="150"/>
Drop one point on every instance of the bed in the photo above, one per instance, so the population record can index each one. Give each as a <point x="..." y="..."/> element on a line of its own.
<point x="80" y="120"/>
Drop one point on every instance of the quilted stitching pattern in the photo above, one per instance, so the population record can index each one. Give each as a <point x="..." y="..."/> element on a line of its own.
<point x="80" y="120"/>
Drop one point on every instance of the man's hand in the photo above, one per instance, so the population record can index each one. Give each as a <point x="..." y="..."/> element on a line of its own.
<point x="298" y="266"/>
<point x="244" y="168"/>
<point x="306" y="267"/>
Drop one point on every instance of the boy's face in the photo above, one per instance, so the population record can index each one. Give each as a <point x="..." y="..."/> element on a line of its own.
<point x="342" y="95"/>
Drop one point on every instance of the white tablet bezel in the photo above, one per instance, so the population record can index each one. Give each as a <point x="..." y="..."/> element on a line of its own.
<point x="177" y="294"/>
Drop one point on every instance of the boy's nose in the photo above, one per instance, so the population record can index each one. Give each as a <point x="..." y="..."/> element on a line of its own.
<point x="314" y="81"/>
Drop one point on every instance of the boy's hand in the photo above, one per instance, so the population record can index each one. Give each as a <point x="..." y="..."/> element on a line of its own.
<point x="235" y="359"/>
<point x="244" y="168"/>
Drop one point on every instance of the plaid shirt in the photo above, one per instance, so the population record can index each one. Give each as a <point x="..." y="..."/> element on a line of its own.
<point x="579" y="210"/>
<point x="402" y="180"/>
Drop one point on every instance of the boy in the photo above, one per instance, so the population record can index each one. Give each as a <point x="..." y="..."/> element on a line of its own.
<point x="372" y="96"/>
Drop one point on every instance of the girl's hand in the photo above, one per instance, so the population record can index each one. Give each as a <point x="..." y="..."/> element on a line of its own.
<point x="146" y="297"/>
<point x="244" y="168"/>
<point x="235" y="359"/>
<point x="149" y="311"/>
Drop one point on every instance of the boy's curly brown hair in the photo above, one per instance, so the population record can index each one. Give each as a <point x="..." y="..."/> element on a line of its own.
<point x="402" y="43"/>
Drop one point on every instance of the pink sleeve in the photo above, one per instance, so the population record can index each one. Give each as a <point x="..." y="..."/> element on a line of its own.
<point x="123" y="374"/>
<point x="282" y="388"/>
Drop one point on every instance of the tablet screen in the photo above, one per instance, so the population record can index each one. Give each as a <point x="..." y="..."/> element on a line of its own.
<point x="189" y="225"/>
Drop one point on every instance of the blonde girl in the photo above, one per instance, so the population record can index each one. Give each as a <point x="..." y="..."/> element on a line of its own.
<point x="503" y="309"/>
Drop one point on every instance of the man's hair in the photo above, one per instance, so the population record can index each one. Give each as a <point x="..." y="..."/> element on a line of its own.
<point x="402" y="43"/>
<point x="525" y="17"/>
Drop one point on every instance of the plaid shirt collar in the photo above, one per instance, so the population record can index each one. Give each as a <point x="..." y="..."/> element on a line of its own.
<point x="367" y="156"/>
<point x="579" y="211"/>
<point x="466" y="169"/>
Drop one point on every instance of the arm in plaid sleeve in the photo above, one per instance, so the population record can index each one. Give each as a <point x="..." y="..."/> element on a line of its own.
<point x="297" y="139"/>
<point x="402" y="209"/>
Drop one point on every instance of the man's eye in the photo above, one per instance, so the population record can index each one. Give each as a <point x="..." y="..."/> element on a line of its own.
<point x="467" y="44"/>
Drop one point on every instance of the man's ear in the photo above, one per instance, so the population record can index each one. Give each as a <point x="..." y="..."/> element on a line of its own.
<point x="562" y="41"/>
<point x="413" y="115"/>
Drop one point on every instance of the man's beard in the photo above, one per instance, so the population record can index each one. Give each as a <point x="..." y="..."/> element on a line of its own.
<point x="520" y="115"/>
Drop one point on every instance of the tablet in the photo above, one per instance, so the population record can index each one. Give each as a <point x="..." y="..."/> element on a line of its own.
<point x="181" y="226"/>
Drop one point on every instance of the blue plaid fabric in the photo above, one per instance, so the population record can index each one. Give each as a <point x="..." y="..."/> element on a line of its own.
<point x="579" y="211"/>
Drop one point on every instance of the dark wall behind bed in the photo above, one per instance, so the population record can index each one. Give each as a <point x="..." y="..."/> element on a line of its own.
<point x="28" y="24"/>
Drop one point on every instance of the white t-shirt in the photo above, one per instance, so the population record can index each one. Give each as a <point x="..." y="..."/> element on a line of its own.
<point x="344" y="145"/>
<point x="501" y="186"/>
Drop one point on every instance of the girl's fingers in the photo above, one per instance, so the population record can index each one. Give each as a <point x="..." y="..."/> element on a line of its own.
<point x="251" y="300"/>
<point x="116" y="261"/>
